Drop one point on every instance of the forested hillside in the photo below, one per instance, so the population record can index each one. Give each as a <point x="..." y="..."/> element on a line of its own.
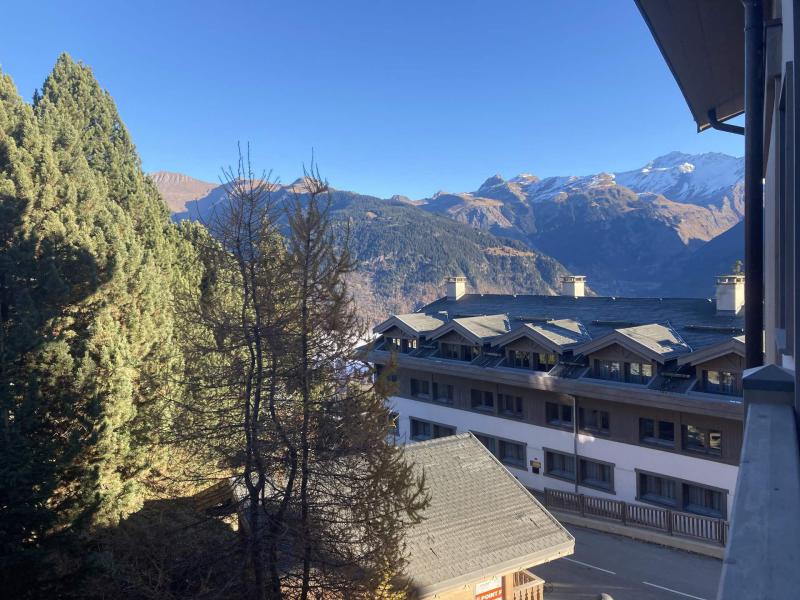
<point x="403" y="254"/>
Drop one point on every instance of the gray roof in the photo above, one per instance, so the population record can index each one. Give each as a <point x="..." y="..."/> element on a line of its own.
<point x="417" y="322"/>
<point x="660" y="341"/>
<point x="695" y="320"/>
<point x="485" y="326"/>
<point x="479" y="328"/>
<point x="481" y="521"/>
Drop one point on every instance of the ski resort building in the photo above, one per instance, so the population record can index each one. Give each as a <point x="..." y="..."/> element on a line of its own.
<point x="632" y="399"/>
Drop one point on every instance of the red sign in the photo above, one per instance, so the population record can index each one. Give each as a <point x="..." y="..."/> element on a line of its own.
<point x="491" y="589"/>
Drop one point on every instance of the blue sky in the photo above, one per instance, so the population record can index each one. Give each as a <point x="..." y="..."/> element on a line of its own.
<point x="395" y="97"/>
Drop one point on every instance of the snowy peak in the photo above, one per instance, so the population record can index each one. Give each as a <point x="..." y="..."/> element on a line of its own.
<point x="701" y="179"/>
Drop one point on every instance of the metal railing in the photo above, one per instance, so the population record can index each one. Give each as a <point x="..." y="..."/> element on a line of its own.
<point x="528" y="586"/>
<point x="671" y="522"/>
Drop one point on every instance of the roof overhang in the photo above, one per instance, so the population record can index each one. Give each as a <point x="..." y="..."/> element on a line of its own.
<point x="630" y="344"/>
<point x="457" y="328"/>
<point x="732" y="346"/>
<point x="394" y="321"/>
<point x="527" y="331"/>
<point x="703" y="45"/>
<point x="519" y="564"/>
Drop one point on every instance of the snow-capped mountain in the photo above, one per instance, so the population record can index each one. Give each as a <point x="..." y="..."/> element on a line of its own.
<point x="621" y="229"/>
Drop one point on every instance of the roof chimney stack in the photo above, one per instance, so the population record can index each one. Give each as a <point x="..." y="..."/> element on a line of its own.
<point x="456" y="287"/>
<point x="730" y="294"/>
<point x="573" y="285"/>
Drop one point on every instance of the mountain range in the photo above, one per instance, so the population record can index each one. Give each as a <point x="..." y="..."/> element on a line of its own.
<point x="664" y="229"/>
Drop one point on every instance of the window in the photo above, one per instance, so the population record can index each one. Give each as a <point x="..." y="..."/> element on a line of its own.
<point x="608" y="369"/>
<point x="659" y="490"/>
<point x="702" y="500"/>
<point x="408" y="345"/>
<point x="458" y="351"/>
<point x="596" y="474"/>
<point x="469" y="353"/>
<point x="546" y="361"/>
<point x="681" y="495"/>
<point x="702" y="440"/>
<point x="443" y="392"/>
<point x="653" y="431"/>
<point x="512" y="453"/>
<point x="559" y="465"/>
<point x="392" y="344"/>
<point x="559" y="415"/>
<point x="425" y="430"/>
<point x="519" y="359"/>
<point x="482" y="400"/>
<point x="452" y="351"/>
<point x="639" y="372"/>
<point x="420" y="388"/>
<point x="488" y="441"/>
<point x="593" y="420"/>
<point x="721" y="382"/>
<point x="510" y="405"/>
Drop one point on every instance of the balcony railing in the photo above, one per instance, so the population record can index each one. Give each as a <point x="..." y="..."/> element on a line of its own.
<point x="671" y="522"/>
<point x="763" y="555"/>
<point x="528" y="586"/>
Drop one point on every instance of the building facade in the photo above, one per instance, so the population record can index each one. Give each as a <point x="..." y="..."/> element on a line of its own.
<point x="636" y="399"/>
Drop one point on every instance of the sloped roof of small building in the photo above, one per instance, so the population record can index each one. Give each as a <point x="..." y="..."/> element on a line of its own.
<point x="481" y="521"/>
<point x="412" y="323"/>
<point x="477" y="329"/>
<point x="655" y="341"/>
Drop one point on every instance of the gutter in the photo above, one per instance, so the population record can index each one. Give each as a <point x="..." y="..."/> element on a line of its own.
<point x="753" y="182"/>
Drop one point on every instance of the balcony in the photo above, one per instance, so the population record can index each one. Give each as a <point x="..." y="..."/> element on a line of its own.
<point x="764" y="548"/>
<point x="527" y="586"/>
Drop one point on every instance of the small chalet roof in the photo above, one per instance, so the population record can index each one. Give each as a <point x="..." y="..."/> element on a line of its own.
<point x="412" y="323"/>
<point x="703" y="44"/>
<point x="555" y="335"/>
<point x="476" y="329"/>
<point x="654" y="341"/>
<point x="734" y="345"/>
<point x="462" y="539"/>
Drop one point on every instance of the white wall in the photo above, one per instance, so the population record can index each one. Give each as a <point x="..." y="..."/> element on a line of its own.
<point x="626" y="457"/>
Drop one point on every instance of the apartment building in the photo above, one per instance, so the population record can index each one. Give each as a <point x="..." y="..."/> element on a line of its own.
<point x="636" y="399"/>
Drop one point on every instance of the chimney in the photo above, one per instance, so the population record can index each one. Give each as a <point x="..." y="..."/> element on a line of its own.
<point x="730" y="294"/>
<point x="456" y="287"/>
<point x="573" y="285"/>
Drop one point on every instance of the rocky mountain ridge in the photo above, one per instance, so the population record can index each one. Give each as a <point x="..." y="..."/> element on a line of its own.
<point x="639" y="233"/>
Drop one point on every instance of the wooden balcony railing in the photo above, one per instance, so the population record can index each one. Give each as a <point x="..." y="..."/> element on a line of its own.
<point x="528" y="586"/>
<point x="671" y="522"/>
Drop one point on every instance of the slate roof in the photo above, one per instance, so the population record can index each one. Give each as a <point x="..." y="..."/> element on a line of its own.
<point x="658" y="341"/>
<point x="695" y="320"/>
<point x="481" y="521"/>
<point x="482" y="328"/>
<point x="417" y="322"/>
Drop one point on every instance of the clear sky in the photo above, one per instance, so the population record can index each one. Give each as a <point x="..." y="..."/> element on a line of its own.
<point x="395" y="97"/>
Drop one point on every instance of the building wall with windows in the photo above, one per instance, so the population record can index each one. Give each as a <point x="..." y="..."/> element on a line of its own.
<point x="624" y="460"/>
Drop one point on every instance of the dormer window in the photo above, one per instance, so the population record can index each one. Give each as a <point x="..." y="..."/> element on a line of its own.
<point x="458" y="351"/>
<point x="721" y="382"/>
<point x="519" y="359"/>
<point x="392" y="344"/>
<point x="547" y="361"/>
<point x="608" y="369"/>
<point x="525" y="359"/>
<point x="408" y="345"/>
<point x="638" y="372"/>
